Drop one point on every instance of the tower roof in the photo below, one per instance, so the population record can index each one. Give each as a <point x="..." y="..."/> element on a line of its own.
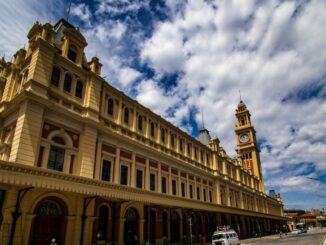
<point x="241" y="106"/>
<point x="204" y="136"/>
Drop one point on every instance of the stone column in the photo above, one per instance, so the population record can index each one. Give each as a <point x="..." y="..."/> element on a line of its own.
<point x="117" y="167"/>
<point x="187" y="187"/>
<point x="98" y="159"/>
<point x="159" y="178"/>
<point x="133" y="170"/>
<point x="45" y="158"/>
<point x="121" y="225"/>
<point x="147" y="175"/>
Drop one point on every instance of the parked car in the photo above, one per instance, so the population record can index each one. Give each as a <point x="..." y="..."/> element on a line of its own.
<point x="228" y="237"/>
<point x="296" y="231"/>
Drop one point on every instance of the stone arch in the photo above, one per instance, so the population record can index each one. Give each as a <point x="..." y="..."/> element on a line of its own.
<point x="165" y="223"/>
<point x="175" y="225"/>
<point x="49" y="221"/>
<point x="66" y="201"/>
<point x="61" y="133"/>
<point x="131" y="226"/>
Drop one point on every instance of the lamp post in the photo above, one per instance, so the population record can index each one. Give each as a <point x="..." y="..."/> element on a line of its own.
<point x="190" y="230"/>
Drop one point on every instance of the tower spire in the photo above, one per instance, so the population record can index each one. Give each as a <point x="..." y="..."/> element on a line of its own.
<point x="68" y="12"/>
<point x="202" y="119"/>
<point x="240" y="95"/>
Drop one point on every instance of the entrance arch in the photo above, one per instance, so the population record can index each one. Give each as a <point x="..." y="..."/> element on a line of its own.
<point x="175" y="227"/>
<point x="130" y="231"/>
<point x="152" y="226"/>
<point x="49" y="222"/>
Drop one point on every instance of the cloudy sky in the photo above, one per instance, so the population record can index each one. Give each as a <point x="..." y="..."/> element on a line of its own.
<point x="182" y="57"/>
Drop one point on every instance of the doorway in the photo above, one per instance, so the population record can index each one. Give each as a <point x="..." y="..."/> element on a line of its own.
<point x="49" y="222"/>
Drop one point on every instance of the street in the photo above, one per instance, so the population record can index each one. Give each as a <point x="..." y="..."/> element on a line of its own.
<point x="313" y="237"/>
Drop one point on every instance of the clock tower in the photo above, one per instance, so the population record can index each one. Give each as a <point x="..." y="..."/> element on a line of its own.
<point x="247" y="148"/>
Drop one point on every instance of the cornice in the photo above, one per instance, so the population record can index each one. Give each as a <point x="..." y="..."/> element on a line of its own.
<point x="21" y="175"/>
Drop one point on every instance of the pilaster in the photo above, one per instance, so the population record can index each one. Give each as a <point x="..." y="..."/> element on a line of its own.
<point x="87" y="151"/>
<point x="25" y="144"/>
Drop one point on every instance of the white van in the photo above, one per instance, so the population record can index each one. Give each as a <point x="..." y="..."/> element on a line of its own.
<point x="228" y="237"/>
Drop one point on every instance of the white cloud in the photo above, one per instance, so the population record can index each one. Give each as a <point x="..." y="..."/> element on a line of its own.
<point x="82" y="11"/>
<point x="153" y="97"/>
<point x="127" y="76"/>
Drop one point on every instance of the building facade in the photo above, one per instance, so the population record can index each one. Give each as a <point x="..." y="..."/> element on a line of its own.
<point x="83" y="163"/>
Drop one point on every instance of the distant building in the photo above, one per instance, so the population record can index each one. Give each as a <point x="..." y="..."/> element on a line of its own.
<point x="83" y="163"/>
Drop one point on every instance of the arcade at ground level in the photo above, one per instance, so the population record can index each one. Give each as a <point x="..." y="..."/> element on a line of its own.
<point x="71" y="217"/>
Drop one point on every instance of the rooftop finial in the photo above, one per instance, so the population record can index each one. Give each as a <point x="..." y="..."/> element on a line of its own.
<point x="202" y="119"/>
<point x="68" y="12"/>
<point x="240" y="95"/>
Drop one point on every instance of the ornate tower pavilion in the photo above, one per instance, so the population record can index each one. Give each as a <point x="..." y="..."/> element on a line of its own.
<point x="247" y="148"/>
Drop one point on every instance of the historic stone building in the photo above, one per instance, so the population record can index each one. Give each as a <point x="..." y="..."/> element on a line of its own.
<point x="83" y="163"/>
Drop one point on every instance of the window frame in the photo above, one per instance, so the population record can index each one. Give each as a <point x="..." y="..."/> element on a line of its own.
<point x="82" y="89"/>
<point x="142" y="179"/>
<point x="124" y="164"/>
<point x="166" y="184"/>
<point x="111" y="160"/>
<point x="52" y="77"/>
<point x="152" y="173"/>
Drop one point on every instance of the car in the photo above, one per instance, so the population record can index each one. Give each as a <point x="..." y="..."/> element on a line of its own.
<point x="296" y="231"/>
<point x="227" y="237"/>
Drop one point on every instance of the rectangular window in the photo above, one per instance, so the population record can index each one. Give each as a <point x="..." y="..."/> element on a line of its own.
<point x="72" y="55"/>
<point x="204" y="195"/>
<point x="198" y="193"/>
<point x="56" y="158"/>
<point x="123" y="175"/>
<point x="163" y="184"/>
<point x="152" y="181"/>
<point x="210" y="196"/>
<point x="106" y="170"/>
<point x="183" y="189"/>
<point x="191" y="192"/>
<point x="139" y="178"/>
<point x="174" y="187"/>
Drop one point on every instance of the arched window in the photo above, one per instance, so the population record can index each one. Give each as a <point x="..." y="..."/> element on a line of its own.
<point x="72" y="53"/>
<point x="55" y="78"/>
<point x="163" y="135"/>
<point x="103" y="216"/>
<point x="67" y="83"/>
<point x="140" y="123"/>
<point x="152" y="129"/>
<point x="79" y="89"/>
<point x="110" y="107"/>
<point x="57" y="155"/>
<point x="126" y="116"/>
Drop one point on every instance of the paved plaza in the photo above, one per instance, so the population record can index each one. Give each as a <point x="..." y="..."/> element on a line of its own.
<point x="312" y="237"/>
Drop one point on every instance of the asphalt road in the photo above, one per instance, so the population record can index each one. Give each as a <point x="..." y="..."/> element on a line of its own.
<point x="313" y="237"/>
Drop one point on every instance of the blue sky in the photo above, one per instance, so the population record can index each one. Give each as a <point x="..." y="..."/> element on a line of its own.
<point x="182" y="57"/>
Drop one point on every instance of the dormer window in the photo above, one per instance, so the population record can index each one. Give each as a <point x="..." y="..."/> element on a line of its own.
<point x="152" y="130"/>
<point x="79" y="89"/>
<point x="126" y="116"/>
<point x="140" y="123"/>
<point x="67" y="83"/>
<point x="163" y="135"/>
<point x="172" y="141"/>
<point x="55" y="78"/>
<point x="72" y="53"/>
<point x="110" y="107"/>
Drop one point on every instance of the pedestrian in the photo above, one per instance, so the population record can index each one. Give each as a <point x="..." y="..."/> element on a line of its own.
<point x="280" y="234"/>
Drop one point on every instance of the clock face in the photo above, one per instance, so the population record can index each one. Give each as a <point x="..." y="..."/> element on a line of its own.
<point x="244" y="138"/>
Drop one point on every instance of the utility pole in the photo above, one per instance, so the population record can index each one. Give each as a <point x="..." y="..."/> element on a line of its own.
<point x="190" y="231"/>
